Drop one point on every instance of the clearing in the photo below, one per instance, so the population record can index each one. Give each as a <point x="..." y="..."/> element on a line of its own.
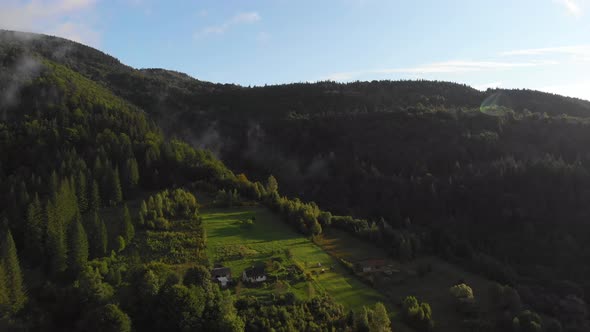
<point x="237" y="245"/>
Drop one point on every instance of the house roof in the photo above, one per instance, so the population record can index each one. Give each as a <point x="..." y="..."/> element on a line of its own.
<point x="255" y="272"/>
<point x="221" y="271"/>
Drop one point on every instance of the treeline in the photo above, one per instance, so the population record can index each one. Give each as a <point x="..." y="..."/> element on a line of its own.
<point x="158" y="209"/>
<point x="319" y="314"/>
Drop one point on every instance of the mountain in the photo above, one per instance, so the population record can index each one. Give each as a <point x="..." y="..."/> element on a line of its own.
<point x="100" y="226"/>
<point x="494" y="182"/>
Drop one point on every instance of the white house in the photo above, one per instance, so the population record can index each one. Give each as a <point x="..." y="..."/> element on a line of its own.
<point x="222" y="275"/>
<point x="223" y="281"/>
<point x="254" y="274"/>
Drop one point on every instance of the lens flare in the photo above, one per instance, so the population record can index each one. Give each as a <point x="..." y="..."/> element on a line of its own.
<point x="497" y="104"/>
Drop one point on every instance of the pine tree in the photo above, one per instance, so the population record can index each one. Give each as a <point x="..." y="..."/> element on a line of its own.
<point x="361" y="320"/>
<point x="94" y="197"/>
<point x="98" y="169"/>
<point x="55" y="241"/>
<point x="127" y="229"/>
<point x="272" y="186"/>
<point x="131" y="174"/>
<point x="120" y="243"/>
<point x="53" y="184"/>
<point x="97" y="236"/>
<point x="77" y="247"/>
<point x="159" y="205"/>
<point x="115" y="183"/>
<point x="380" y="321"/>
<point x="23" y="194"/>
<point x="82" y="192"/>
<point x="104" y="236"/>
<point x="66" y="202"/>
<point x="4" y="290"/>
<point x="12" y="270"/>
<point x="143" y="212"/>
<point x="33" y="235"/>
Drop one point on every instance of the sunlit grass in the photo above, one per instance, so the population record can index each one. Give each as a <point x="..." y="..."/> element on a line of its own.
<point x="239" y="246"/>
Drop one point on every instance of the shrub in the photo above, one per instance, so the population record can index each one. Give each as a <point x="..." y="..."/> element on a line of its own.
<point x="461" y="291"/>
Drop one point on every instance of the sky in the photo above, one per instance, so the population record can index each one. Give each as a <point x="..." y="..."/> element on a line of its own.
<point x="535" y="44"/>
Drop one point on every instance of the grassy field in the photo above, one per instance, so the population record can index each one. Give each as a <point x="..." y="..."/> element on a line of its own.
<point x="239" y="246"/>
<point x="433" y="287"/>
<point x="341" y="244"/>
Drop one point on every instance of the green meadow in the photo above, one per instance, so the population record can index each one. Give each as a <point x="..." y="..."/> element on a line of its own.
<point x="235" y="244"/>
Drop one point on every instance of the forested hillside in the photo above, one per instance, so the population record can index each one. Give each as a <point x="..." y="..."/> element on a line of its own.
<point x="77" y="162"/>
<point x="495" y="182"/>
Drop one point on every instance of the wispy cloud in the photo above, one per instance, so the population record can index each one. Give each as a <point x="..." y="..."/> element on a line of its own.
<point x="574" y="7"/>
<point x="462" y="67"/>
<point x="238" y="19"/>
<point x="58" y="17"/>
<point x="263" y="37"/>
<point x="574" y="50"/>
<point x="578" y="89"/>
<point x="446" y="67"/>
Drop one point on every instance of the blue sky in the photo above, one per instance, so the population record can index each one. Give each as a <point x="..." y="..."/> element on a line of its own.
<point x="536" y="44"/>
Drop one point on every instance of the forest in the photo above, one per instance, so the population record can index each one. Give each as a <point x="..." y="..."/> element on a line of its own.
<point x="100" y="160"/>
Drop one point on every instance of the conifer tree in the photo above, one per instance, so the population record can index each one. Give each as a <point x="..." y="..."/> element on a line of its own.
<point x="12" y="270"/>
<point x="66" y="203"/>
<point x="131" y="173"/>
<point x="98" y="168"/>
<point x="127" y="229"/>
<point x="82" y="192"/>
<point x="23" y="194"/>
<point x="380" y="321"/>
<point x="77" y="247"/>
<point x="4" y="297"/>
<point x="53" y="184"/>
<point x="94" y="197"/>
<point x="116" y="191"/>
<point x="97" y="236"/>
<point x="143" y="212"/>
<point x="104" y="236"/>
<point x="33" y="235"/>
<point x="272" y="186"/>
<point x="55" y="241"/>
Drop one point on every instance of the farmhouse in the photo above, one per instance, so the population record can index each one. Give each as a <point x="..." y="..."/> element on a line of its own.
<point x="222" y="275"/>
<point x="371" y="265"/>
<point x="254" y="274"/>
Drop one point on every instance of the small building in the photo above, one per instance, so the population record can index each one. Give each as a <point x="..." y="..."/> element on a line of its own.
<point x="371" y="265"/>
<point x="254" y="274"/>
<point x="222" y="275"/>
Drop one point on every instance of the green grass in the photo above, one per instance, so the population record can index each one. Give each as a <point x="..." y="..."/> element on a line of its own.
<point x="343" y="245"/>
<point x="238" y="246"/>
<point x="432" y="287"/>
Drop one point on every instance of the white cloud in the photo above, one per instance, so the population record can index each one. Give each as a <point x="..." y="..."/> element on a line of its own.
<point x="238" y="19"/>
<point x="579" y="89"/>
<point x="249" y="17"/>
<point x="263" y="37"/>
<point x="446" y="67"/>
<point x="64" y="18"/>
<point x="574" y="7"/>
<point x="341" y="77"/>
<point x="462" y="67"/>
<point x="76" y="32"/>
<point x="574" y="50"/>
